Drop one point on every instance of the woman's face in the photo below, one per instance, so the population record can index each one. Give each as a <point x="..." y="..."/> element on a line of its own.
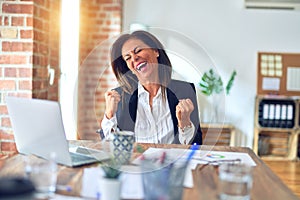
<point x="141" y="60"/>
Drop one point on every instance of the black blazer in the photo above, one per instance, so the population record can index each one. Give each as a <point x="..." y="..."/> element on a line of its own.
<point x="127" y="107"/>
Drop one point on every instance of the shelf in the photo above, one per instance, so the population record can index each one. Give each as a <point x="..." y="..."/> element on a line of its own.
<point x="276" y="143"/>
<point x="298" y="153"/>
<point x="218" y="134"/>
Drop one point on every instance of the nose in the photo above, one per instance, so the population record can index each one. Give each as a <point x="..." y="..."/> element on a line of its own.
<point x="134" y="56"/>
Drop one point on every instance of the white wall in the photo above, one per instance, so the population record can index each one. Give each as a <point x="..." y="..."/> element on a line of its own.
<point x="231" y="35"/>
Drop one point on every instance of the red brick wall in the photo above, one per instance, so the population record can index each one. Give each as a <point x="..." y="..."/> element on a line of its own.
<point x="29" y="43"/>
<point x="16" y="35"/>
<point x="25" y="52"/>
<point x="54" y="47"/>
<point x="100" y="22"/>
<point x="46" y="48"/>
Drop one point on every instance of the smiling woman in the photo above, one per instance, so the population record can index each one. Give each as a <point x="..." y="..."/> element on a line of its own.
<point x="149" y="102"/>
<point x="69" y="65"/>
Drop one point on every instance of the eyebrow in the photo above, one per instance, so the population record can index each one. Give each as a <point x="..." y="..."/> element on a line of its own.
<point x="127" y="54"/>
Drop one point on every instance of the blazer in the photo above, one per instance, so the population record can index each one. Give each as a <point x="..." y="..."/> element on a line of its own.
<point x="176" y="90"/>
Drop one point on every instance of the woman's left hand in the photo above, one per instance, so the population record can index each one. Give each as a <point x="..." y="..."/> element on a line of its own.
<point x="183" y="111"/>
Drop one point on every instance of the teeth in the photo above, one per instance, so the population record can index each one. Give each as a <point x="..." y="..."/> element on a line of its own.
<point x="140" y="66"/>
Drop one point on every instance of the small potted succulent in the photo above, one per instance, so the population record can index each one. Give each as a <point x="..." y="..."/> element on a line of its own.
<point x="111" y="171"/>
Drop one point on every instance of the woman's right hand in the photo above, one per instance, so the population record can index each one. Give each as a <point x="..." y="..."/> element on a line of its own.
<point x="112" y="99"/>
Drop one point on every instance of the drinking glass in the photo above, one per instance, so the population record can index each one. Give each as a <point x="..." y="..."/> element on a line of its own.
<point x="43" y="174"/>
<point x="235" y="181"/>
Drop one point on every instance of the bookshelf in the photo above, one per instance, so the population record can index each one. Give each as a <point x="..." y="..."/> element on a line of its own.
<point x="276" y="128"/>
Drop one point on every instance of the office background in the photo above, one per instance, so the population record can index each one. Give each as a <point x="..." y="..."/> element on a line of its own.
<point x="232" y="35"/>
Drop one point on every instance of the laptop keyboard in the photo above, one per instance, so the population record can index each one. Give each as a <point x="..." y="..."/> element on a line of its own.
<point x="78" y="158"/>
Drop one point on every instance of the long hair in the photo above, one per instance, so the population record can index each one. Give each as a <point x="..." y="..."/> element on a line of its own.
<point x="126" y="79"/>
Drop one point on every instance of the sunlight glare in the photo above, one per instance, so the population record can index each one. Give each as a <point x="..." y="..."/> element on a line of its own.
<point x="69" y="65"/>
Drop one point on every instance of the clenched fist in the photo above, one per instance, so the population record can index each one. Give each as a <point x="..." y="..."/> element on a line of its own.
<point x="112" y="99"/>
<point x="183" y="112"/>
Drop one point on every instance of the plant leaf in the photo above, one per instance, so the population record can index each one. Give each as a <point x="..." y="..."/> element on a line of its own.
<point x="230" y="82"/>
<point x="211" y="82"/>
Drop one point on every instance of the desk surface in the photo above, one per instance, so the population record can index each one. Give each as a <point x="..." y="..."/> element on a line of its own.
<point x="266" y="185"/>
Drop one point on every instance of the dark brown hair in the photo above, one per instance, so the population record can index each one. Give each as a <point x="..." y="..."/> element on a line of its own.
<point x="126" y="79"/>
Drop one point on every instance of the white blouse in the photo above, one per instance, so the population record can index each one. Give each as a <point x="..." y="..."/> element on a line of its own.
<point x="151" y="126"/>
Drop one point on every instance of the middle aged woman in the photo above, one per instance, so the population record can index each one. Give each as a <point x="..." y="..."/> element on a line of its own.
<point x="148" y="102"/>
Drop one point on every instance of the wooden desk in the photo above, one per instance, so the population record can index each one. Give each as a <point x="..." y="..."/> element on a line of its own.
<point x="266" y="184"/>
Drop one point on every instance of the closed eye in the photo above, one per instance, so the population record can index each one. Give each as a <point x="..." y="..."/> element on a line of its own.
<point x="126" y="58"/>
<point x="136" y="50"/>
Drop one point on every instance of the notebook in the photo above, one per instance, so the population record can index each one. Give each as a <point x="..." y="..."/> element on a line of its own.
<point x="38" y="129"/>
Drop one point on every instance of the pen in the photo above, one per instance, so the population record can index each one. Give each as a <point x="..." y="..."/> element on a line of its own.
<point x="98" y="195"/>
<point x="193" y="148"/>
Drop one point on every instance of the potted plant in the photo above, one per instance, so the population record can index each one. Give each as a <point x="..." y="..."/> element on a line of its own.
<point x="110" y="184"/>
<point x="211" y="84"/>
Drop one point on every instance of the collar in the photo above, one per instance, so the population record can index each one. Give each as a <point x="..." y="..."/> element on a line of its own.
<point x="142" y="92"/>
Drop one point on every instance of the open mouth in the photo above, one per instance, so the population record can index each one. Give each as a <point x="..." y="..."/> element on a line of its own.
<point x="140" y="66"/>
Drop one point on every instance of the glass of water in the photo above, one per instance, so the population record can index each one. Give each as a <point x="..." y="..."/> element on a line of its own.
<point x="235" y="181"/>
<point x="43" y="174"/>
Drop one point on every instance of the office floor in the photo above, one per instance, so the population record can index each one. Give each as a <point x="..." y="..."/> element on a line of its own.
<point x="288" y="172"/>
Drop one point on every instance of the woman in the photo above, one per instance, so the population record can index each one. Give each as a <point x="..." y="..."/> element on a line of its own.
<point x="148" y="102"/>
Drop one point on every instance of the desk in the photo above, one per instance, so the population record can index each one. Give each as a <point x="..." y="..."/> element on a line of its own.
<point x="266" y="184"/>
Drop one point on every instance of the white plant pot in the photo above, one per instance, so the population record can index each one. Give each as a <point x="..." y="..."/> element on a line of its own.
<point x="110" y="189"/>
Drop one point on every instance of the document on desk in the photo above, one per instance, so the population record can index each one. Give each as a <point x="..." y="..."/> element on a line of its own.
<point x="200" y="156"/>
<point x="216" y="157"/>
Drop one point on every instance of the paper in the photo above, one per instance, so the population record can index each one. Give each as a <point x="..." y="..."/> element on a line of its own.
<point x="132" y="186"/>
<point x="200" y="157"/>
<point x="271" y="83"/>
<point x="220" y="155"/>
<point x="293" y="76"/>
<point x="90" y="182"/>
<point x="205" y="156"/>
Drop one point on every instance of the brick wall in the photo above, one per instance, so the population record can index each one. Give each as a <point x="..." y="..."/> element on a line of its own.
<point x="16" y="47"/>
<point x="100" y="22"/>
<point x="29" y="43"/>
<point x="25" y="52"/>
<point x="46" y="48"/>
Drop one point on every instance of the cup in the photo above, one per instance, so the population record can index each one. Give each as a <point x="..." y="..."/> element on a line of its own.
<point x="164" y="182"/>
<point x="235" y="181"/>
<point x="43" y="174"/>
<point x="123" y="146"/>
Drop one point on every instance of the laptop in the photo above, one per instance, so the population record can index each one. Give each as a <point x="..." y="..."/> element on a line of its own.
<point x="38" y="129"/>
